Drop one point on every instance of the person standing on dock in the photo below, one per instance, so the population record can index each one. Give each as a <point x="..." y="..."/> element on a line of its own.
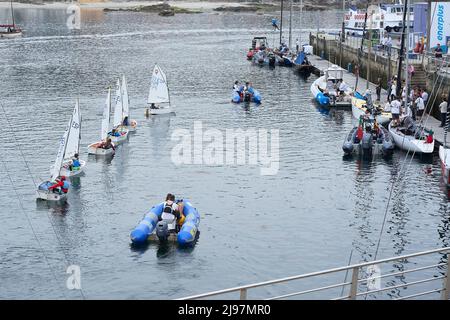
<point x="395" y="109"/>
<point x="424" y="96"/>
<point x="438" y="51"/>
<point x="420" y="105"/>
<point x="443" y="108"/>
<point x="378" y="90"/>
<point x="393" y="88"/>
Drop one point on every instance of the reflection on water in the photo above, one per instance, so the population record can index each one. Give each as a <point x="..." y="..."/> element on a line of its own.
<point x="335" y="206"/>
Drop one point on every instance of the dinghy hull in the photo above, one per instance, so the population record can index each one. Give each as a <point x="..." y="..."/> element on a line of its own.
<point x="116" y="140"/>
<point x="65" y="171"/>
<point x="42" y="193"/>
<point x="444" y="157"/>
<point x="161" y="111"/>
<point x="94" y="149"/>
<point x="10" y="35"/>
<point x="410" y="143"/>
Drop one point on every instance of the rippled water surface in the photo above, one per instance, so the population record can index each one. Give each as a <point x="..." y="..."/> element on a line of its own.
<point x="316" y="213"/>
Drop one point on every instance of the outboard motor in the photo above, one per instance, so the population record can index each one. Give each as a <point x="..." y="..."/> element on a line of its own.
<point x="247" y="96"/>
<point x="162" y="230"/>
<point x="366" y="143"/>
<point x="272" y="60"/>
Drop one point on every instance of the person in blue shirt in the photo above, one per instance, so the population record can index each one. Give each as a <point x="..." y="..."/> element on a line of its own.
<point x="114" y="133"/>
<point x="76" y="165"/>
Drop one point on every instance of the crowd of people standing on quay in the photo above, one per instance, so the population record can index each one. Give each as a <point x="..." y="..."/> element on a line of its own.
<point x="417" y="101"/>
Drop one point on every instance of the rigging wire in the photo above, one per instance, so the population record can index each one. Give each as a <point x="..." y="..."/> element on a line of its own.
<point x="404" y="168"/>
<point x="31" y="225"/>
<point x="34" y="182"/>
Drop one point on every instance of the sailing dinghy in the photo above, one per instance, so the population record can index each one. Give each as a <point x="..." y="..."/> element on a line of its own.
<point x="158" y="96"/>
<point x="130" y="124"/>
<point x="119" y="133"/>
<point x="73" y="146"/>
<point x="10" y="30"/>
<point x="409" y="137"/>
<point x="98" y="148"/>
<point x="43" y="191"/>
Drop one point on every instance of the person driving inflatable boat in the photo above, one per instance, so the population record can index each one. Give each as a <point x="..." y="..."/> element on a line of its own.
<point x="173" y="211"/>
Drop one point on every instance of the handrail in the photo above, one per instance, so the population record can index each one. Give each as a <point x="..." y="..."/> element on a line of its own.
<point x="244" y="288"/>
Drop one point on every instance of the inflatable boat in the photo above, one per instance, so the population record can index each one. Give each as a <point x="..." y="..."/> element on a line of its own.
<point x="251" y="95"/>
<point x="376" y="141"/>
<point x="153" y="228"/>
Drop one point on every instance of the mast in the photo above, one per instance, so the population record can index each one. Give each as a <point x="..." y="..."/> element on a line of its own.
<point x="369" y="50"/>
<point x="290" y="26"/>
<point x="407" y="57"/>
<point x="402" y="49"/>
<point x="12" y="15"/>
<point x="281" y="22"/>
<point x="341" y="43"/>
<point x="301" y="21"/>
<point x="362" y="44"/>
<point x="79" y="121"/>
<point x="446" y="122"/>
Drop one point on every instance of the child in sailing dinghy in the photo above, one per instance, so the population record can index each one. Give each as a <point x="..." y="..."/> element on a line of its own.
<point x="116" y="132"/>
<point x="107" y="144"/>
<point x="60" y="186"/>
<point x="74" y="164"/>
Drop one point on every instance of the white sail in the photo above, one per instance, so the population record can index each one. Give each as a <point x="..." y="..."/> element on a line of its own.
<point x="125" y="98"/>
<point x="73" y="141"/>
<point x="106" y="116"/>
<point x="118" y="109"/>
<point x="159" y="92"/>
<point x="61" y="151"/>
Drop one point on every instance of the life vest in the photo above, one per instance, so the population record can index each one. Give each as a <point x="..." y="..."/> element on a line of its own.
<point x="65" y="186"/>
<point x="168" y="211"/>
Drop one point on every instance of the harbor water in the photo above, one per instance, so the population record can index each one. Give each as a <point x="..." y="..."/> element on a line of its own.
<point x="319" y="211"/>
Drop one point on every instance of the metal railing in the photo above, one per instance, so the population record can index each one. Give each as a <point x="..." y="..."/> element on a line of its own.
<point x="373" y="283"/>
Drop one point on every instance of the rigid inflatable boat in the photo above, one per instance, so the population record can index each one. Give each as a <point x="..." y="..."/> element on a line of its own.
<point x="153" y="227"/>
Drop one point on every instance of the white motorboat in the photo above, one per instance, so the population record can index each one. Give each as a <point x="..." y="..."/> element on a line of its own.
<point x="359" y="108"/>
<point x="331" y="89"/>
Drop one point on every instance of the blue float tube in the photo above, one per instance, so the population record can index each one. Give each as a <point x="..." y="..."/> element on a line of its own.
<point x="185" y="236"/>
<point x="236" y="98"/>
<point x="322" y="99"/>
<point x="256" y="95"/>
